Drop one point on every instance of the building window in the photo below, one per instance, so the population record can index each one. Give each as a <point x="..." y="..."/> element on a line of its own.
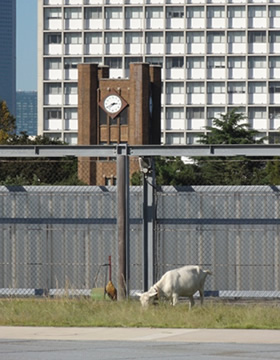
<point x="216" y="62"/>
<point x="257" y="113"/>
<point x="195" y="62"/>
<point x="236" y="88"/>
<point x="175" y="62"/>
<point x="70" y="89"/>
<point x="114" y="62"/>
<point x="53" y="114"/>
<point x="73" y="38"/>
<point x="236" y="62"/>
<point x="154" y="12"/>
<point x="195" y="113"/>
<point x="195" y="12"/>
<point x="257" y="37"/>
<point x="53" y="13"/>
<point x="256" y="11"/>
<point x="257" y="88"/>
<point x="72" y="13"/>
<point x="236" y="37"/>
<point x="154" y="60"/>
<point x="274" y="62"/>
<point x="174" y="138"/>
<point x="71" y="63"/>
<point x="133" y="38"/>
<point x="175" y="113"/>
<point x="236" y="12"/>
<point x="216" y="88"/>
<point x="195" y="88"/>
<point x="113" y="38"/>
<point x="196" y="37"/>
<point x="53" y="88"/>
<point x="257" y="62"/>
<point x="174" y="12"/>
<point x="176" y="37"/>
<point x="274" y="11"/>
<point x="274" y="37"/>
<point x="274" y="87"/>
<point x="113" y="13"/>
<point x="53" y="64"/>
<point x="93" y="38"/>
<point x="133" y="13"/>
<point x="175" y="88"/>
<point x="216" y="12"/>
<point x="154" y="37"/>
<point x="93" y="13"/>
<point x="216" y="37"/>
<point x="53" y="38"/>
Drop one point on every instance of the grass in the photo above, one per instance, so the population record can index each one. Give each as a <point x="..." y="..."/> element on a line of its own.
<point x="83" y="312"/>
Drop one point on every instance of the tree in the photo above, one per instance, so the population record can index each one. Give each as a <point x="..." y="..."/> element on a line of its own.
<point x="37" y="171"/>
<point x="7" y="122"/>
<point x="230" y="128"/>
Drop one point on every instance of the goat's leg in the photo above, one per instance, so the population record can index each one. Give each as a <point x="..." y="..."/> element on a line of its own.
<point x="174" y="299"/>
<point x="191" y="303"/>
<point x="201" y="292"/>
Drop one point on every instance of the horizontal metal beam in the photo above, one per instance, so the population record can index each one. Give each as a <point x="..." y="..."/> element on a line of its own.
<point x="138" y="150"/>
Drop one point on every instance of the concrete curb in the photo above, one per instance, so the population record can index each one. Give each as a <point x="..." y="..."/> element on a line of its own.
<point x="142" y="334"/>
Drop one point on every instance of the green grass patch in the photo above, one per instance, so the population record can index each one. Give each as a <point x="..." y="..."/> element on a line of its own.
<point x="88" y="312"/>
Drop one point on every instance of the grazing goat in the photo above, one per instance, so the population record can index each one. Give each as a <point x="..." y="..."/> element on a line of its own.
<point x="185" y="281"/>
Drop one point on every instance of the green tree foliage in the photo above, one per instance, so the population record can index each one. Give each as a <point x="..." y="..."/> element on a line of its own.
<point x="229" y="128"/>
<point x="7" y="122"/>
<point x="37" y="171"/>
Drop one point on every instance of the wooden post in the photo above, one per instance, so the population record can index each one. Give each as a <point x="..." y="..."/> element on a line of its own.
<point x="121" y="218"/>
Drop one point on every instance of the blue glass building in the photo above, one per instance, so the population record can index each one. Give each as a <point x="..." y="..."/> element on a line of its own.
<point x="8" y="53"/>
<point x="26" y="112"/>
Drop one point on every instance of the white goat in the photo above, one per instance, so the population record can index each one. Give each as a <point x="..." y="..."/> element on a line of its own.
<point x="185" y="281"/>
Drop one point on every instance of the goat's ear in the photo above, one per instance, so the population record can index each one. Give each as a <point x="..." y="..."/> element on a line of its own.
<point x="138" y="294"/>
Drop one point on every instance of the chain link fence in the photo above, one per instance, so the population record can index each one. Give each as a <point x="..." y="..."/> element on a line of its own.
<point x="57" y="233"/>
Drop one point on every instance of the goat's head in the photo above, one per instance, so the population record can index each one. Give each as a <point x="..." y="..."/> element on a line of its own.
<point x="148" y="297"/>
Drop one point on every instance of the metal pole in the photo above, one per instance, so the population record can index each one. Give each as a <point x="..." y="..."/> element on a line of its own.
<point x="121" y="219"/>
<point x="127" y="215"/>
<point x="145" y="235"/>
<point x="148" y="228"/>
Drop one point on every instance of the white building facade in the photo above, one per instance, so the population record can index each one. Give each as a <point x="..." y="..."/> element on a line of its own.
<point x="215" y="55"/>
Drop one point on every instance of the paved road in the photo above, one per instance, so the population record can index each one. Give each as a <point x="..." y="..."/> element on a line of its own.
<point x="27" y="343"/>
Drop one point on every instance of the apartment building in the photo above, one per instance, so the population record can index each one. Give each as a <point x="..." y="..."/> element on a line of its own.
<point x="215" y="55"/>
<point x="8" y="53"/>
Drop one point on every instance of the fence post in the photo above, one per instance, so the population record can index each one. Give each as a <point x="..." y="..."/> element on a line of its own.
<point x="122" y="224"/>
<point x="148" y="228"/>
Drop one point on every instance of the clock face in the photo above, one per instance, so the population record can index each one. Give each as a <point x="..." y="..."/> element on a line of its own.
<point x="112" y="103"/>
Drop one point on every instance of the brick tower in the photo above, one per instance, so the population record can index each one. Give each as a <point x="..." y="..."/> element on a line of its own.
<point x="113" y="111"/>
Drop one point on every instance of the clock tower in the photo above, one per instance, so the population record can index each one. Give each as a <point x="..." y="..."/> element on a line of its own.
<point x="113" y="111"/>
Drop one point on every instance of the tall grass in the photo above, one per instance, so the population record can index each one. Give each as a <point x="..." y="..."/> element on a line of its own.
<point x="91" y="313"/>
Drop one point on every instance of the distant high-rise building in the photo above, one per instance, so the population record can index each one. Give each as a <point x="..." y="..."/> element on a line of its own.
<point x="215" y="55"/>
<point x="8" y="53"/>
<point x="26" y="112"/>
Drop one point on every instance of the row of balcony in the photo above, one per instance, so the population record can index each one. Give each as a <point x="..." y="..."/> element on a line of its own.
<point x="168" y="124"/>
<point x="175" y="23"/>
<point x="180" y="74"/>
<point x="161" y="49"/>
<point x="236" y="99"/>
<point x="155" y="2"/>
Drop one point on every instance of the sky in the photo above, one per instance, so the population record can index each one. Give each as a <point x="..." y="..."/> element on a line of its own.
<point x="26" y="45"/>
